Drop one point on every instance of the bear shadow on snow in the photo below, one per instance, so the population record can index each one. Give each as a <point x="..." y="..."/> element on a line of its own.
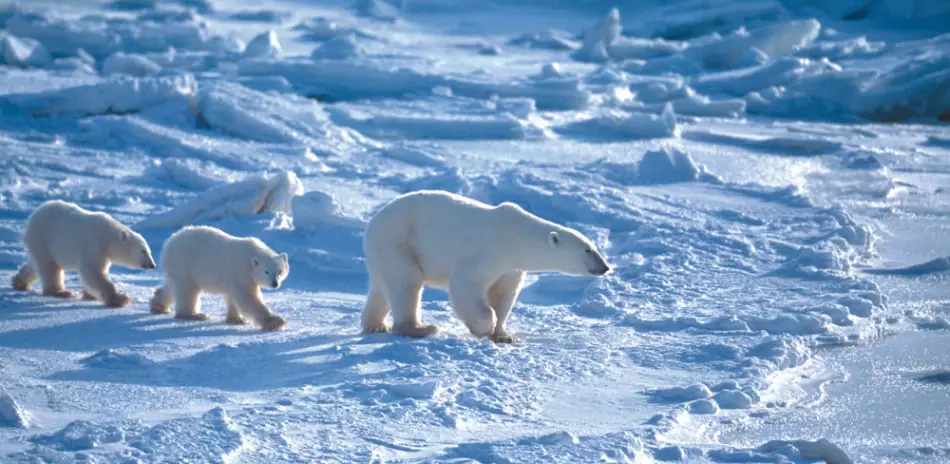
<point x="245" y="367"/>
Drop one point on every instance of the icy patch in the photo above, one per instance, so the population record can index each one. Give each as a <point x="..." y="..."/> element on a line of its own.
<point x="131" y="64"/>
<point x="11" y="414"/>
<point x="117" y="95"/>
<point x="255" y="195"/>
<point x="335" y="80"/>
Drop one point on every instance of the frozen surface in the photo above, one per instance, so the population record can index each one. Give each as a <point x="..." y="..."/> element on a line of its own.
<point x="768" y="180"/>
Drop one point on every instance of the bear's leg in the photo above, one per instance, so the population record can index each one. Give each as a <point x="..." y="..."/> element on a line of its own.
<point x="404" y="298"/>
<point x="50" y="273"/>
<point x="94" y="277"/>
<point x="234" y="314"/>
<point x="25" y="277"/>
<point x="249" y="302"/>
<point x="471" y="306"/>
<point x="162" y="299"/>
<point x="501" y="296"/>
<point x="187" y="304"/>
<point x="375" y="311"/>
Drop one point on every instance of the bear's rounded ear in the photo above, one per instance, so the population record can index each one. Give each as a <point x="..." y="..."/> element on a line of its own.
<point x="283" y="257"/>
<point x="124" y="235"/>
<point x="255" y="262"/>
<point x="553" y="240"/>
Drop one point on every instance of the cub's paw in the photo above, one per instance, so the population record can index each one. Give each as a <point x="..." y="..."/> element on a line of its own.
<point x="119" y="300"/>
<point x="158" y="308"/>
<point x="273" y="323"/>
<point x="192" y="317"/>
<point x="20" y="284"/>
<point x="88" y="296"/>
<point x="58" y="293"/>
<point x="378" y="329"/>
<point x="235" y="320"/>
<point x="505" y="338"/>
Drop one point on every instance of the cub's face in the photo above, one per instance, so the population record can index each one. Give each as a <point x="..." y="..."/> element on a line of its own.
<point x="132" y="251"/>
<point x="575" y="254"/>
<point x="270" y="270"/>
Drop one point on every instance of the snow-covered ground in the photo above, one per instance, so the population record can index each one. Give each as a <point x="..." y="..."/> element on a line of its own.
<point x="769" y="179"/>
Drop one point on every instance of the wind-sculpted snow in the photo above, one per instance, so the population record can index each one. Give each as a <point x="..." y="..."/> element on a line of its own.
<point x="743" y="166"/>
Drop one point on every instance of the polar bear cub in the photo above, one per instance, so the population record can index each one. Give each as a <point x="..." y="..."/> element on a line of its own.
<point x="205" y="259"/>
<point x="480" y="253"/>
<point x="62" y="236"/>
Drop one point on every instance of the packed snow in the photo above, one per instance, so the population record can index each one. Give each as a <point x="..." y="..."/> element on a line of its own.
<point x="767" y="179"/>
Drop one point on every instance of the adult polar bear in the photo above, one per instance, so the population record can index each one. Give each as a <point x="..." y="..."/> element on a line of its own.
<point x="479" y="252"/>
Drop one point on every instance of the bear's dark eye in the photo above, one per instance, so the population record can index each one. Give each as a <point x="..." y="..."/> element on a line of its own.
<point x="588" y="251"/>
<point x="267" y="272"/>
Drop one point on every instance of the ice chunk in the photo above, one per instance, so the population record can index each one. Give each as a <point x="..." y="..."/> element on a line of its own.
<point x="550" y="39"/>
<point x="255" y="195"/>
<point x="131" y="64"/>
<point x="11" y="414"/>
<point x="23" y="52"/>
<point x="116" y="95"/>
<point x="338" y="48"/>
<point x="264" y="45"/>
<point x="621" y="125"/>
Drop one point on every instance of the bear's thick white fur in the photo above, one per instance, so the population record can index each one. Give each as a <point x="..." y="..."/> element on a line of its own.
<point x="205" y="259"/>
<point x="62" y="236"/>
<point x="479" y="252"/>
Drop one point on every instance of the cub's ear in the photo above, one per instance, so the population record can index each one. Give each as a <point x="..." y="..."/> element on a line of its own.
<point x="124" y="235"/>
<point x="553" y="240"/>
<point x="255" y="262"/>
<point x="283" y="257"/>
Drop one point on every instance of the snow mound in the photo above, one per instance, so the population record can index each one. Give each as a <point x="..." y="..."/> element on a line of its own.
<point x="211" y="437"/>
<point x="683" y="394"/>
<point x="11" y="414"/>
<point x="338" y="48"/>
<point x="131" y="64"/>
<point x="81" y="435"/>
<point x="180" y="173"/>
<point x="110" y="359"/>
<point x="317" y="208"/>
<point x="115" y="95"/>
<point x="264" y="45"/>
<point x="667" y="165"/>
<point x="818" y="449"/>
<point x="256" y="195"/>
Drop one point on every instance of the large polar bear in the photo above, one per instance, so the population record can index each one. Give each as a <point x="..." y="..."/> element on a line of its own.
<point x="199" y="258"/>
<point x="479" y="252"/>
<point x="62" y="236"/>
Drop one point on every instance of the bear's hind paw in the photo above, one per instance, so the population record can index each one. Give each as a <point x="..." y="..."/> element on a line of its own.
<point x="235" y="320"/>
<point x="505" y="338"/>
<point x="88" y="296"/>
<point x="119" y="300"/>
<point x="192" y="317"/>
<point x="379" y="329"/>
<point x="419" y="331"/>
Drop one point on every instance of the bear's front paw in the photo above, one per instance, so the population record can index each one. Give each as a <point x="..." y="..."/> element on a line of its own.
<point x="58" y="293"/>
<point x="378" y="329"/>
<point x="192" y="317"/>
<point x="235" y="320"/>
<point x="20" y="284"/>
<point x="88" y="296"/>
<point x="119" y="300"/>
<point x="272" y="323"/>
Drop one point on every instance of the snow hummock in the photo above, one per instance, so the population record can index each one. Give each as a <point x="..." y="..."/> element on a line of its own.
<point x="131" y="64"/>
<point x="23" y="52"/>
<point x="255" y="195"/>
<point x="264" y="45"/>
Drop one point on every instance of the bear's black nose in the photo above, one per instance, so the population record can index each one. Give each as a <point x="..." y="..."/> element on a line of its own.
<point x="275" y="284"/>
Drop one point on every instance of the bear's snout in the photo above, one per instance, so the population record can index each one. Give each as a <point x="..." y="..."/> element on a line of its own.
<point x="275" y="284"/>
<point x="148" y="265"/>
<point x="600" y="270"/>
